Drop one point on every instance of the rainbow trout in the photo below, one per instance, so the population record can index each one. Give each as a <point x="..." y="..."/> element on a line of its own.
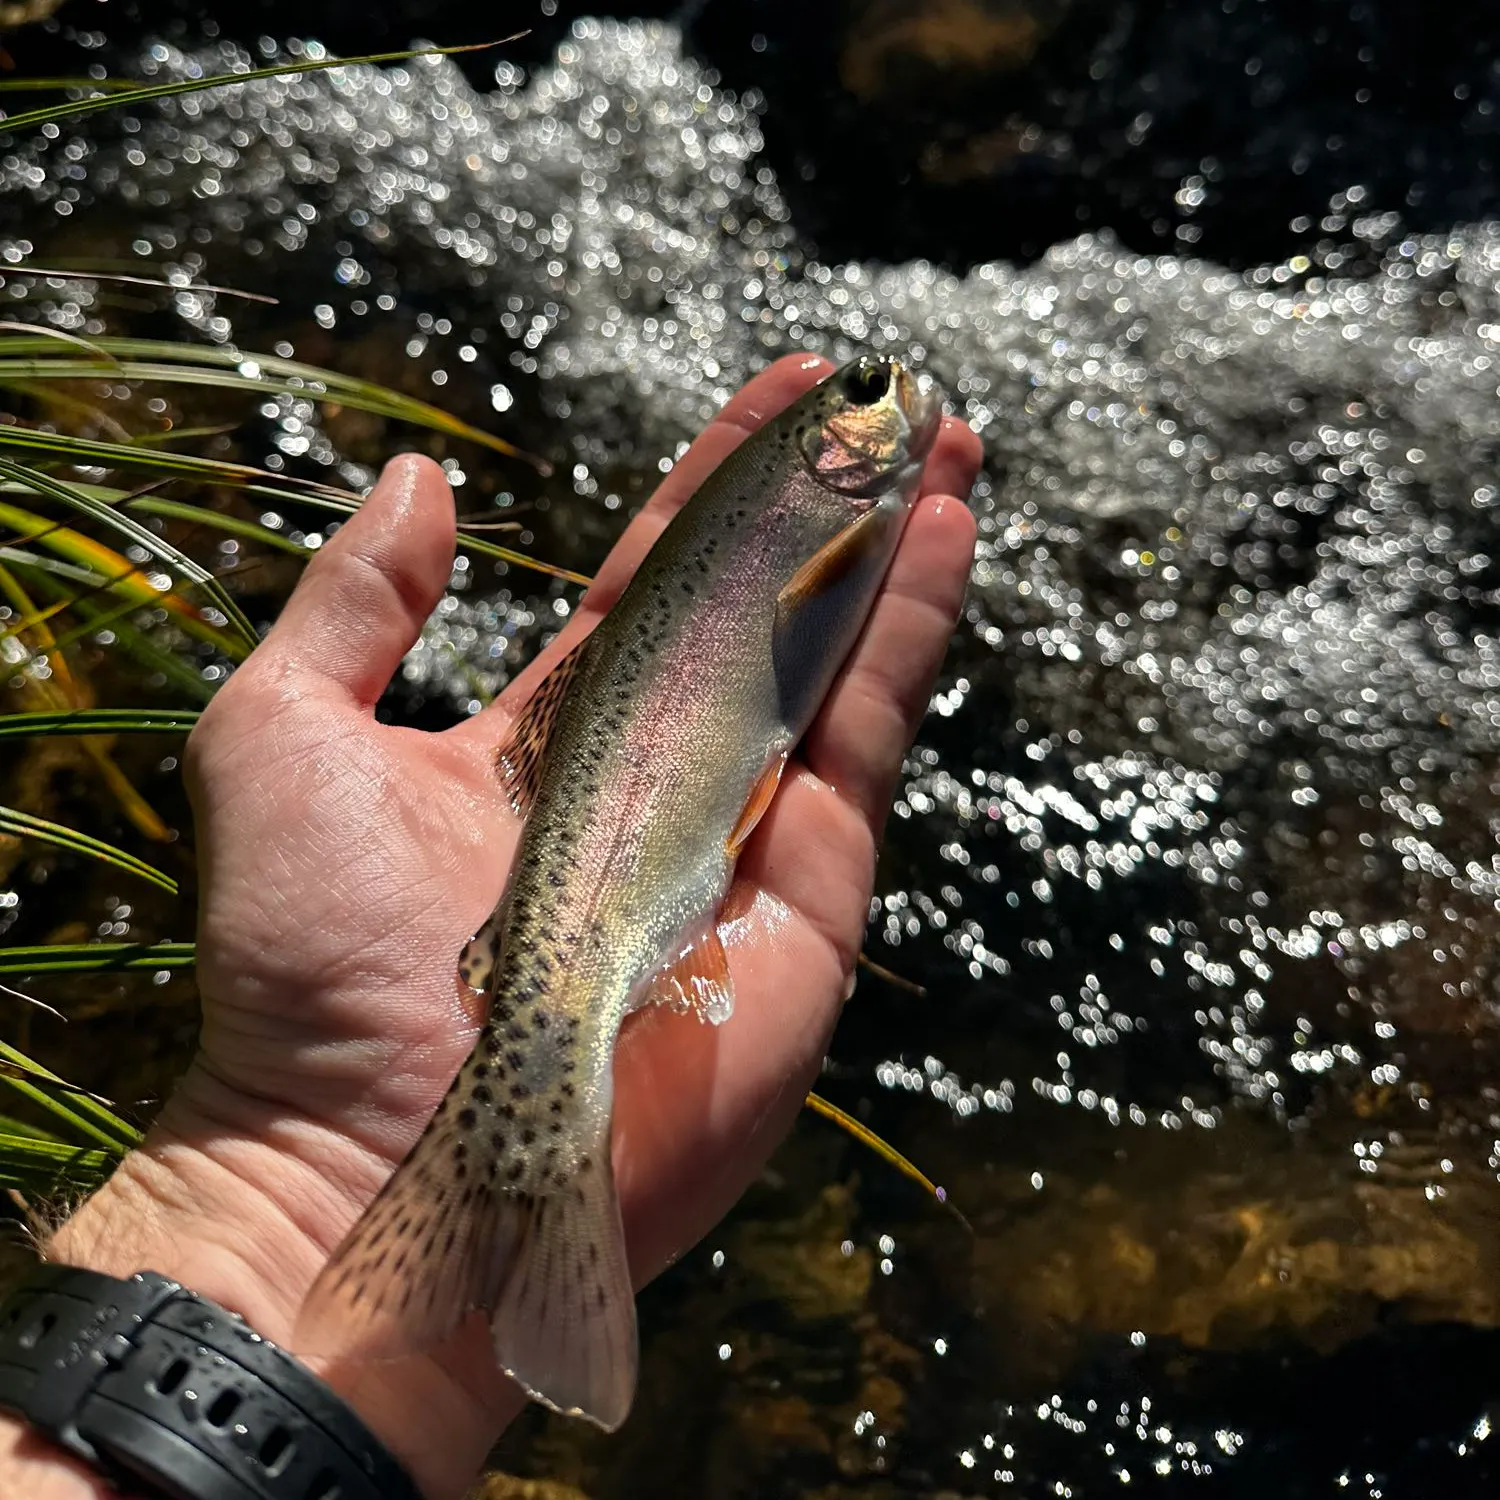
<point x="641" y="765"/>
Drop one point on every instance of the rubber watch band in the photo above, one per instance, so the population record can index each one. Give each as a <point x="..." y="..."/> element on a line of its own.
<point x="159" y="1388"/>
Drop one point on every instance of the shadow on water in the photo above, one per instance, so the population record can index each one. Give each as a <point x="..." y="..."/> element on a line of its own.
<point x="1196" y="855"/>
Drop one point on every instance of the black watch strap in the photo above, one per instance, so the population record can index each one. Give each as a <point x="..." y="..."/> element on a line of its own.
<point x="161" y="1389"/>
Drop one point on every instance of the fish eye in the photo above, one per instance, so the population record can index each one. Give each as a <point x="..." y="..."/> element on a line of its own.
<point x="867" y="382"/>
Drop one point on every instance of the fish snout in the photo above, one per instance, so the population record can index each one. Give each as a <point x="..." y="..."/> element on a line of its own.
<point x="921" y="400"/>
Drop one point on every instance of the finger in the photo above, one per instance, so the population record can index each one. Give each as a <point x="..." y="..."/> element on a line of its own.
<point x="768" y="393"/>
<point x="699" y="1109"/>
<point x="365" y="595"/>
<point x="868" y="720"/>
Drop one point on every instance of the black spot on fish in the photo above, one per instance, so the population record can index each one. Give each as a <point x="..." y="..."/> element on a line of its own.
<point x="541" y="1020"/>
<point x="519" y="1091"/>
<point x="460" y="1170"/>
<point x="516" y="1059"/>
<point x="460" y="1151"/>
<point x="517" y="1168"/>
<point x="480" y="1070"/>
<point x="567" y="1088"/>
<point x="528" y="1136"/>
<point x="556" y="1127"/>
<point x="506" y="1111"/>
<point x="466" y="1118"/>
<point x="556" y="1106"/>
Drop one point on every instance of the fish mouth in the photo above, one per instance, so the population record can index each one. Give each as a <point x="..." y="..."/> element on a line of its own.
<point x="921" y="401"/>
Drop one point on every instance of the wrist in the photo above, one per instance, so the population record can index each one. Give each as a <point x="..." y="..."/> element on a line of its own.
<point x="246" y="1218"/>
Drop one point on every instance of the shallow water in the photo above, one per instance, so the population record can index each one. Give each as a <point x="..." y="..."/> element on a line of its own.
<point x="1196" y="854"/>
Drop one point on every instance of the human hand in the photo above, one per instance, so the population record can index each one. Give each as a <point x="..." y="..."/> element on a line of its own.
<point x="344" y="863"/>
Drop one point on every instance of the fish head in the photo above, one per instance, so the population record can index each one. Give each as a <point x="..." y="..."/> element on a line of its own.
<point x="871" y="426"/>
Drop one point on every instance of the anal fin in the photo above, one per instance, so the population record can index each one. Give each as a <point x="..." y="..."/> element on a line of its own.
<point x="762" y="794"/>
<point x="697" y="979"/>
<point x="519" y="759"/>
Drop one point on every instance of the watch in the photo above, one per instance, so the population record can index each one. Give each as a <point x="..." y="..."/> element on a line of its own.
<point x="162" y="1390"/>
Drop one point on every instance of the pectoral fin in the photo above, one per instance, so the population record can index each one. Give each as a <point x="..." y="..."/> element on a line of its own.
<point x="856" y="547"/>
<point x="519" y="760"/>
<point x="820" y="609"/>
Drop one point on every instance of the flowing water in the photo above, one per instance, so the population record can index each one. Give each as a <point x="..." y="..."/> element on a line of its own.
<point x="1197" y="852"/>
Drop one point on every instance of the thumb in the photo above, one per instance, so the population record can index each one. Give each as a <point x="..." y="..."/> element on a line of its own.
<point x="362" y="602"/>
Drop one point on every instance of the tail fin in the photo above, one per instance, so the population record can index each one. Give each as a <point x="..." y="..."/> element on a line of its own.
<point x="564" y="1325"/>
<point x="444" y="1238"/>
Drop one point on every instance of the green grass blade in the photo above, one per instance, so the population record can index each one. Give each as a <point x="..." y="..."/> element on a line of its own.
<point x="32" y="118"/>
<point x="44" y="573"/>
<point x="99" y="721"/>
<point x="74" y="1119"/>
<point x="85" y="504"/>
<point x="65" y="273"/>
<point x="60" y="1111"/>
<point x="37" y="85"/>
<point x="107" y="1126"/>
<point x="101" y="571"/>
<point x="88" y="958"/>
<point x="28" y="357"/>
<point x="31" y="1165"/>
<point x="466" y="539"/>
<point x="25" y="825"/>
<point x="202" y="515"/>
<point x="76" y="450"/>
<point x="139" y="645"/>
<point x="260" y="482"/>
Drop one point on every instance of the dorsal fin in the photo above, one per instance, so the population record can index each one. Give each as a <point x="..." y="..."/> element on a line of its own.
<point x="519" y="759"/>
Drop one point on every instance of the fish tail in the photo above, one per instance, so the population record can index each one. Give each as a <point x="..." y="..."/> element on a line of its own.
<point x="564" y="1323"/>
<point x="443" y="1238"/>
<point x="429" y="1249"/>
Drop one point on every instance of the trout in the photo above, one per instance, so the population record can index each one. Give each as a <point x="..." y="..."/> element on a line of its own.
<point x="641" y="765"/>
